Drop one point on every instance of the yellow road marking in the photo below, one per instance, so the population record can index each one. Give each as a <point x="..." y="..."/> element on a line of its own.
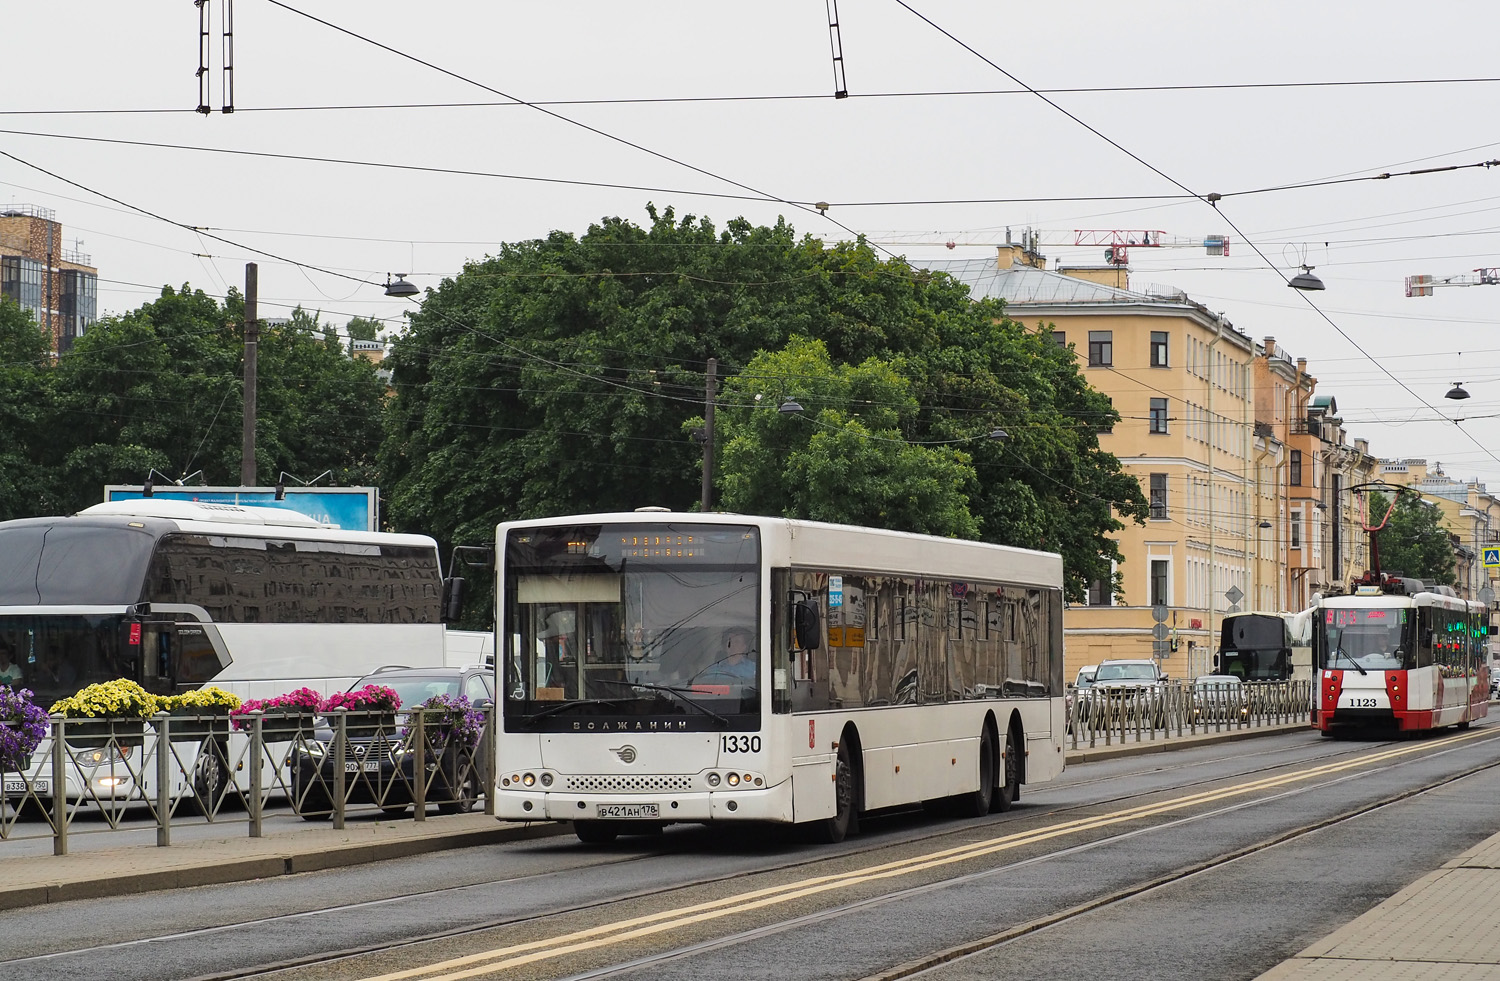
<point x="515" y="955"/>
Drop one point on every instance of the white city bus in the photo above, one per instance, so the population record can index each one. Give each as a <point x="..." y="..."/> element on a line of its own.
<point x="887" y="669"/>
<point x="177" y="595"/>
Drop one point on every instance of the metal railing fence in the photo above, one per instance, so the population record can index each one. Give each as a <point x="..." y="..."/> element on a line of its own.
<point x="204" y="768"/>
<point x="1180" y="708"/>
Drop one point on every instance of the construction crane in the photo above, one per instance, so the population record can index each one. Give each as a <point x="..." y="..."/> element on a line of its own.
<point x="1117" y="242"/>
<point x="1423" y="285"/>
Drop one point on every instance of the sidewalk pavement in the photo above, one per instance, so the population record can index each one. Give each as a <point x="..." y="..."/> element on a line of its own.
<point x="1437" y="929"/>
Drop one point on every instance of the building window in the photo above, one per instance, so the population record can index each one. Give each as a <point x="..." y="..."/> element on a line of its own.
<point x="1296" y="533"/>
<point x="1158" y="349"/>
<point x="1060" y="338"/>
<point x="1295" y="468"/>
<point x="1158" y="415"/>
<point x="1158" y="495"/>
<point x="1099" y="593"/>
<point x="1159" y="582"/>
<point x="1101" y="348"/>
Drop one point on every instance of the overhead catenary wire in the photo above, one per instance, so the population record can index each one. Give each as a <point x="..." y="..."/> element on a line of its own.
<point x="1212" y="200"/>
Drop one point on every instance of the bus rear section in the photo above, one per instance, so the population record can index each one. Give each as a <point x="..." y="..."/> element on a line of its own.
<point x="1402" y="658"/>
<point x="691" y="668"/>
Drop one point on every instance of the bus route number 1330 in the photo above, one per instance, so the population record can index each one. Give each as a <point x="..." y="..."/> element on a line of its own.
<point x="733" y="743"/>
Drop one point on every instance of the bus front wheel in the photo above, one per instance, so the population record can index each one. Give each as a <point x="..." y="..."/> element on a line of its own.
<point x="833" y="830"/>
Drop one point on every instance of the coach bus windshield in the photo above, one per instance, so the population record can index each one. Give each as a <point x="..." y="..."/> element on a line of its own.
<point x="71" y="562"/>
<point x="1366" y="639"/>
<point x="1255" y="647"/>
<point x="631" y="622"/>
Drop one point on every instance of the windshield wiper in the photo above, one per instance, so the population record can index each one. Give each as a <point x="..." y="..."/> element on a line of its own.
<point x="1338" y="650"/>
<point x="680" y="693"/>
<point x="565" y="706"/>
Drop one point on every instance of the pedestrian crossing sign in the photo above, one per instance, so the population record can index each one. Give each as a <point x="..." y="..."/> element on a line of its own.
<point x="1492" y="556"/>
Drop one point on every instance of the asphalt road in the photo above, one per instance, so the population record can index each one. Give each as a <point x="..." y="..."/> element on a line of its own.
<point x="1212" y="862"/>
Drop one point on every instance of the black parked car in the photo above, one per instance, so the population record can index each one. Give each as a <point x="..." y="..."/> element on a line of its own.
<point x="379" y="759"/>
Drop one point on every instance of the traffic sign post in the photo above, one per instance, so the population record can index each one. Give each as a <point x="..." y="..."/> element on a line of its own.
<point x="1491" y="556"/>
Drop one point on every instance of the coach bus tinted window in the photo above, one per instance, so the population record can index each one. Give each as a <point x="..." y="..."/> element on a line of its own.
<point x="630" y="622"/>
<point x="248" y="580"/>
<point x="57" y="563"/>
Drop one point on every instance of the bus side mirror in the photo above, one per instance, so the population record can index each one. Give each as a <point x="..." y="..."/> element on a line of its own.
<point x="807" y="625"/>
<point x="453" y="599"/>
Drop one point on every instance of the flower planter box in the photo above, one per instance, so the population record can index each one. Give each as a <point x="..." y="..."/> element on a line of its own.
<point x="97" y="733"/>
<point x="283" y="725"/>
<point x="367" y="725"/>
<point x="194" y="725"/>
<point x="17" y="765"/>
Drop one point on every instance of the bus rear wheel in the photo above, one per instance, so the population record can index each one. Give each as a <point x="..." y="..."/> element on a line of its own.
<point x="1010" y="788"/>
<point x="978" y="803"/>
<point x="596" y="832"/>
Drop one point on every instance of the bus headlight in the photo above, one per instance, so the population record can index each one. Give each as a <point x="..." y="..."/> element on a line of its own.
<point x="713" y="779"/>
<point x="734" y="779"/>
<point x="528" y="780"/>
<point x="546" y="780"/>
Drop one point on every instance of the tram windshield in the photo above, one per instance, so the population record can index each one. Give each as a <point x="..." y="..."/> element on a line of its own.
<point x="624" y="622"/>
<point x="1367" y="639"/>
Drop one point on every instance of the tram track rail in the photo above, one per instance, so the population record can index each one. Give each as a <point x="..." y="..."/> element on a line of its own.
<point x="1351" y="754"/>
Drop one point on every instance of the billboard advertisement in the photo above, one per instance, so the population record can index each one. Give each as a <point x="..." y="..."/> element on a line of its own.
<point x="355" y="508"/>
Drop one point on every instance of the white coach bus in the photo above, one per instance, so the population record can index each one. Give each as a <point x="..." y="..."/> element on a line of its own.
<point x="177" y="595"/>
<point x="659" y="667"/>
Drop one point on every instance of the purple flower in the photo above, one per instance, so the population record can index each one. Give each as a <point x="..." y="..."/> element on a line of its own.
<point x="457" y="720"/>
<point x="23" y="724"/>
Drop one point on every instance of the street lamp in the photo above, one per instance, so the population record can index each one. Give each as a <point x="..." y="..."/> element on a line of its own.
<point x="1305" y="280"/>
<point x="400" y="287"/>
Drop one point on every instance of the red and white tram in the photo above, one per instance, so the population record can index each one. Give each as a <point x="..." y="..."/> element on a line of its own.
<point x="1399" y="655"/>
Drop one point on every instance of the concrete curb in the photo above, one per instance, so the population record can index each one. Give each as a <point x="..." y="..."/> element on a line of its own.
<point x="104" y="874"/>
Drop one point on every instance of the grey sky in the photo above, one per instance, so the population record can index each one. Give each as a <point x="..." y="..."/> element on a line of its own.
<point x="1364" y="237"/>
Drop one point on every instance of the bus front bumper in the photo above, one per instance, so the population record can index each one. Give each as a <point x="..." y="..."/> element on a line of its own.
<point x="744" y="804"/>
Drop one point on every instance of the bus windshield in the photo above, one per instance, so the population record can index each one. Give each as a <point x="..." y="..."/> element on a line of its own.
<point x="631" y="621"/>
<point x="1368" y="639"/>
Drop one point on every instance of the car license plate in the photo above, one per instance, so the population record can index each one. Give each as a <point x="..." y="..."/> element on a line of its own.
<point x="14" y="786"/>
<point x="629" y="811"/>
<point x="370" y="766"/>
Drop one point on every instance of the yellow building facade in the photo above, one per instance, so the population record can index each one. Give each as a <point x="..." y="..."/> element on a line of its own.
<point x="1245" y="467"/>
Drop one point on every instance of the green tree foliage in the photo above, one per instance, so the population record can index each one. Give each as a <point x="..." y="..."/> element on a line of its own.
<point x="1413" y="542"/>
<point x="25" y="386"/>
<point x="844" y="458"/>
<point x="162" y="387"/>
<point x="563" y="375"/>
